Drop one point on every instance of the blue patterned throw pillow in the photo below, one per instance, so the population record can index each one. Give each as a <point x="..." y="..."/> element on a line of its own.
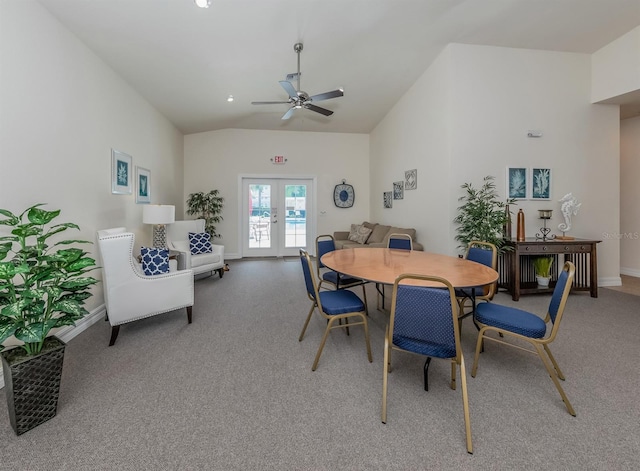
<point x="154" y="261"/>
<point x="200" y="243"/>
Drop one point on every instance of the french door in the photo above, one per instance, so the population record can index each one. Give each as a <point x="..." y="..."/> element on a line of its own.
<point x="276" y="219"/>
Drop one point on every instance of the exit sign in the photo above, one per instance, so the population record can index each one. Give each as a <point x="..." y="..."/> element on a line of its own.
<point x="279" y="159"/>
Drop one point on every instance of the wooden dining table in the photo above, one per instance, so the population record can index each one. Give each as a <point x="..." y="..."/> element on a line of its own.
<point x="381" y="265"/>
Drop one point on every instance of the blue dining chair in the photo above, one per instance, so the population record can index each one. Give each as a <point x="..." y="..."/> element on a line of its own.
<point x="395" y="241"/>
<point x="513" y="323"/>
<point x="400" y="241"/>
<point x="485" y="253"/>
<point x="424" y="320"/>
<point x="324" y="244"/>
<point x="334" y="306"/>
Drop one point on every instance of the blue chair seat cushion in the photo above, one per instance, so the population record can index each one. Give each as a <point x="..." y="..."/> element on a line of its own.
<point x="511" y="319"/>
<point x="468" y="292"/>
<point x="332" y="277"/>
<point x="429" y="349"/>
<point x="340" y="302"/>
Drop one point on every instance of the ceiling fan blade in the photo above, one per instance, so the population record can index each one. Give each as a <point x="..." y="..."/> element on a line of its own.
<point x="327" y="95"/>
<point x="289" y="113"/>
<point x="290" y="89"/>
<point x="269" y="102"/>
<point x="317" y="109"/>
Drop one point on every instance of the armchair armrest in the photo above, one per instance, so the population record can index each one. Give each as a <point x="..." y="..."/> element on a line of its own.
<point x="341" y="235"/>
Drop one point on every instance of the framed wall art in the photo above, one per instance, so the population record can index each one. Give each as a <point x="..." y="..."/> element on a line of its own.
<point x="516" y="183"/>
<point x="398" y="190"/>
<point x="143" y="185"/>
<point x="388" y="199"/>
<point x="411" y="179"/>
<point x="121" y="173"/>
<point x="540" y="183"/>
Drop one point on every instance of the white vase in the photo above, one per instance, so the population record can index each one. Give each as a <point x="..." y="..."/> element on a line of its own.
<point x="543" y="281"/>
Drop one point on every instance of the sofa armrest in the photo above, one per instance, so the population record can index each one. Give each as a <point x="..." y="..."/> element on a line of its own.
<point x="341" y="235"/>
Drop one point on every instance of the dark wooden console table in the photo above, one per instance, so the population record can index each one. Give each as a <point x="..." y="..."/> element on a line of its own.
<point x="517" y="274"/>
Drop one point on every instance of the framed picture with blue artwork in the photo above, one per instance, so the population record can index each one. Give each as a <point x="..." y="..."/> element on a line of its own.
<point x="121" y="173"/>
<point x="517" y="183"/>
<point x="540" y="183"/>
<point x="143" y="185"/>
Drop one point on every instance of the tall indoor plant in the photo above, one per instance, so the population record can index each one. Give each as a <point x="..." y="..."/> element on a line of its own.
<point x="482" y="215"/>
<point x="42" y="287"/>
<point x="207" y="206"/>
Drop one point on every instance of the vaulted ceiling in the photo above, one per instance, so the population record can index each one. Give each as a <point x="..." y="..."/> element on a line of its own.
<point x="186" y="60"/>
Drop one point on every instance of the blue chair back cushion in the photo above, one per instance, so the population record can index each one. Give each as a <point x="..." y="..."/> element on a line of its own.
<point x="558" y="291"/>
<point x="511" y="319"/>
<point x="404" y="244"/>
<point x="476" y="254"/>
<point x="323" y="247"/>
<point x="339" y="279"/>
<point x="308" y="280"/>
<point x="200" y="242"/>
<point x="154" y="261"/>
<point x="423" y="321"/>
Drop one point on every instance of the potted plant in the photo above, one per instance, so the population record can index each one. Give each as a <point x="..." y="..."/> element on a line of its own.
<point x="207" y="206"/>
<point x="542" y="267"/>
<point x="482" y="215"/>
<point x="42" y="287"/>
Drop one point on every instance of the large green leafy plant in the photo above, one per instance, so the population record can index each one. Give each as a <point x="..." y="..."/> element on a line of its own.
<point x="41" y="286"/>
<point x="207" y="206"/>
<point x="482" y="215"/>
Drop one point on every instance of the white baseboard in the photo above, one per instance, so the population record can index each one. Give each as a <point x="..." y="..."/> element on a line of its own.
<point x="610" y="281"/>
<point x="67" y="333"/>
<point x="630" y="272"/>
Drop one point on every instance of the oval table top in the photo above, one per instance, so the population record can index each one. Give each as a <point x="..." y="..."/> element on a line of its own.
<point x="381" y="265"/>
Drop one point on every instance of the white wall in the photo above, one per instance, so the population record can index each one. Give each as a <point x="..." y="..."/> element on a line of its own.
<point x="416" y="134"/>
<point x="61" y="111"/>
<point x="495" y="96"/>
<point x="629" y="196"/>
<point x="216" y="159"/>
<point x="615" y="68"/>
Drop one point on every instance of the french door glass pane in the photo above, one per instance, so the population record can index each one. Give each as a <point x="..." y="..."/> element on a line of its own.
<point x="295" y="216"/>
<point x="259" y="216"/>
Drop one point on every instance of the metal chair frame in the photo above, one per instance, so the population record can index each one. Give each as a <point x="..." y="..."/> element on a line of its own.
<point x="457" y="360"/>
<point x="334" y="321"/>
<point x="540" y="345"/>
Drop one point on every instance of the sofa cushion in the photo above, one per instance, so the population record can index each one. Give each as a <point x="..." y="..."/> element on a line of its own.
<point x="378" y="234"/>
<point x="370" y="225"/>
<point x="154" y="261"/>
<point x="359" y="233"/>
<point x="199" y="243"/>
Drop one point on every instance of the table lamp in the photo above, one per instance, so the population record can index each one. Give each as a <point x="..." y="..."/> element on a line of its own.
<point x="159" y="215"/>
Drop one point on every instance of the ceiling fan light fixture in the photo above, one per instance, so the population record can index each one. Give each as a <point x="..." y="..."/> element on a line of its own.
<point x="203" y="3"/>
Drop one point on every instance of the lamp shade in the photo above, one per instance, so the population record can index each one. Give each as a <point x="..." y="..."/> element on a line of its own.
<point x="158" y="214"/>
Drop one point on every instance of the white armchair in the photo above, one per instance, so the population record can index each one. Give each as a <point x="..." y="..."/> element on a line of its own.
<point x="178" y="239"/>
<point x="129" y="293"/>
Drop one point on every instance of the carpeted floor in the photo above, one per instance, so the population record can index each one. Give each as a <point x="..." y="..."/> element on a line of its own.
<point x="235" y="391"/>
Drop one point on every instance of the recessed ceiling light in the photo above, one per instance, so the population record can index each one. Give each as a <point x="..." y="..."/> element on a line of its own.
<point x="230" y="98"/>
<point x="203" y="3"/>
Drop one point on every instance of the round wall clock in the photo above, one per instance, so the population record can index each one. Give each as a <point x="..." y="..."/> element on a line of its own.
<point x="343" y="195"/>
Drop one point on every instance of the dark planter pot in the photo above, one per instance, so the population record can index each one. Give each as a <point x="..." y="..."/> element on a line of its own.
<point x="32" y="384"/>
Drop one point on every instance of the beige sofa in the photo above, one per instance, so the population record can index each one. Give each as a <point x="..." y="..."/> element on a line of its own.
<point x="379" y="236"/>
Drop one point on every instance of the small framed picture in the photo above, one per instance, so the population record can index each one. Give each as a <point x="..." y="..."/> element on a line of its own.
<point x="516" y="183"/>
<point x="540" y="183"/>
<point x="388" y="199"/>
<point x="143" y="185"/>
<point x="398" y="190"/>
<point x="121" y="173"/>
<point x="411" y="179"/>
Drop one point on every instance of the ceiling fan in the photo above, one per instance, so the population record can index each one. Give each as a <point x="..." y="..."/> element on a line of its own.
<point x="299" y="99"/>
